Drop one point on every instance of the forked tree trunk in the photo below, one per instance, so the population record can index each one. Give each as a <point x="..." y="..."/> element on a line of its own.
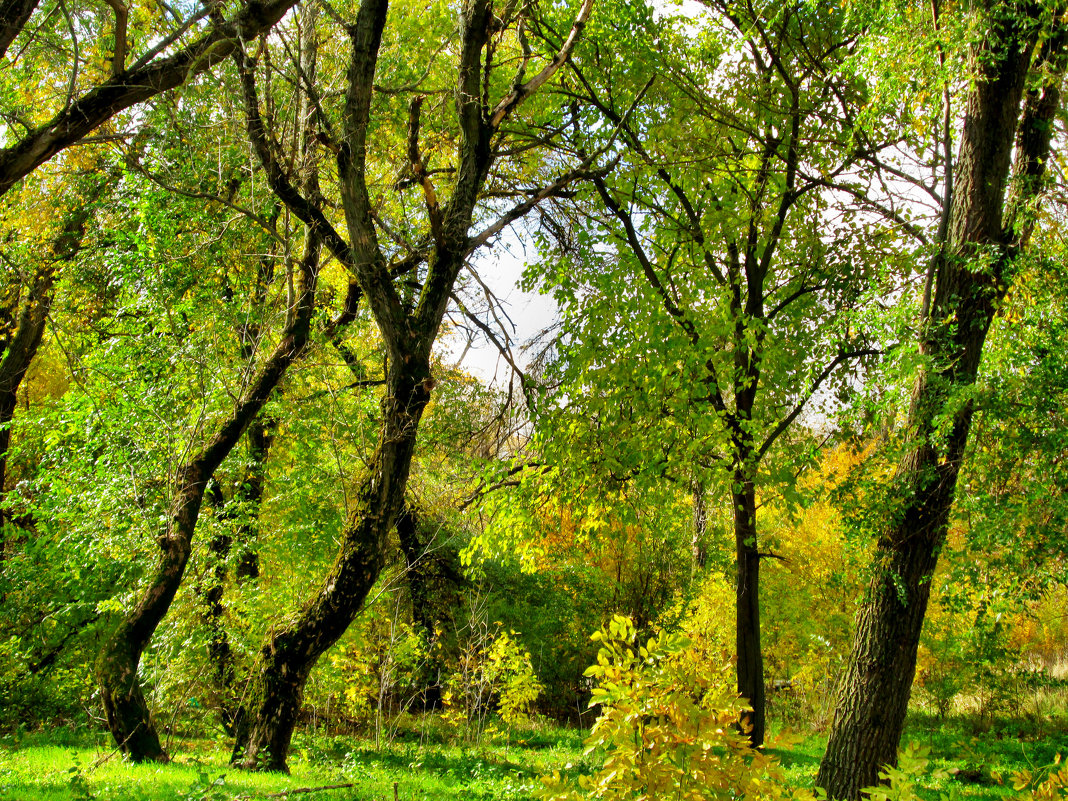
<point x="874" y="691"/>
<point x="275" y="690"/>
<point x="128" y="715"/>
<point x="408" y="330"/>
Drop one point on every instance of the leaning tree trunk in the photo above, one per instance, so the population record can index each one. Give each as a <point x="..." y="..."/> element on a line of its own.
<point x="276" y="687"/>
<point x="408" y="323"/>
<point x="127" y="711"/>
<point x="874" y="691"/>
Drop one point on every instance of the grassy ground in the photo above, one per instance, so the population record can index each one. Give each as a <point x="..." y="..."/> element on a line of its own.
<point x="61" y="767"/>
<point x="962" y="763"/>
<point x="963" y="759"/>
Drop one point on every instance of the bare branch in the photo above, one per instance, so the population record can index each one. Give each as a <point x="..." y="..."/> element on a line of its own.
<point x="304" y="210"/>
<point x="521" y="209"/>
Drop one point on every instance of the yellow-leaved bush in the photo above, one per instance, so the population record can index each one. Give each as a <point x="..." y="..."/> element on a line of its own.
<point x="1049" y="785"/>
<point x="667" y="728"/>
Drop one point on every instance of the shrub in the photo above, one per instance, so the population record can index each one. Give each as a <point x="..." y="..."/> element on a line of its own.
<point x="668" y="728"/>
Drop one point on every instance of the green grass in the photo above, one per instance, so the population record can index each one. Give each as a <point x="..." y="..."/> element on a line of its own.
<point x="33" y="769"/>
<point x="965" y="762"/>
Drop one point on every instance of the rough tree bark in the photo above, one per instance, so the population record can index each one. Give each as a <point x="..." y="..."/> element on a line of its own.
<point x="408" y="332"/>
<point x="128" y="715"/>
<point x="13" y="17"/>
<point x="987" y="230"/>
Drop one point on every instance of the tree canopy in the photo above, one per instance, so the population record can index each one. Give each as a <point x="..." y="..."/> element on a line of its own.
<point x="808" y="268"/>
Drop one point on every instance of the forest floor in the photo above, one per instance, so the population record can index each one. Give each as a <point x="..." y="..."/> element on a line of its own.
<point x="963" y="761"/>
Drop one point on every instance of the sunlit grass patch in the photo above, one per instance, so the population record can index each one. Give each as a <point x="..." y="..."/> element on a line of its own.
<point x="421" y="769"/>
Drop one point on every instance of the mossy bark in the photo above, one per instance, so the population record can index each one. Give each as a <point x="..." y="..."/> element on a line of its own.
<point x="987" y="230"/>
<point x="408" y="315"/>
<point x="276" y="687"/>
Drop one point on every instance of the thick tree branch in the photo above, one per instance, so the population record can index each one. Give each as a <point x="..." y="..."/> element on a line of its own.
<point x="369" y="264"/>
<point x="13" y="17"/>
<point x="127" y="89"/>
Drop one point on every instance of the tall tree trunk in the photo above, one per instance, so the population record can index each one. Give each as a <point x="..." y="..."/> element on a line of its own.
<point x="127" y="712"/>
<point x="874" y="691"/>
<point x="750" y="664"/>
<point x="276" y="688"/>
<point x="409" y="327"/>
<point x="245" y="503"/>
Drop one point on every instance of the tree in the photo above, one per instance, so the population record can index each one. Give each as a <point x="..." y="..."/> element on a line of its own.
<point x="990" y="218"/>
<point x="708" y="297"/>
<point x="28" y="290"/>
<point x="407" y="285"/>
<point x="95" y="90"/>
<point x="93" y="95"/>
<point x="127" y="712"/>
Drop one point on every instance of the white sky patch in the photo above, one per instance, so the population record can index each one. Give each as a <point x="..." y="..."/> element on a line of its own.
<point x="516" y="318"/>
